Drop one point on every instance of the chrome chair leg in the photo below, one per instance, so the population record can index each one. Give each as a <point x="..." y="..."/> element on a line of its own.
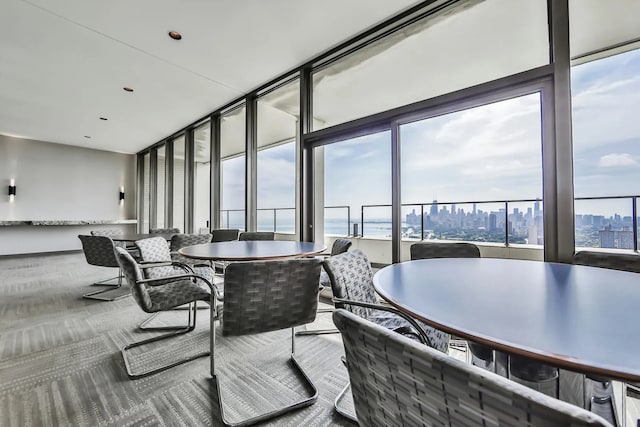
<point x="100" y="295"/>
<point x="190" y="327"/>
<point x="277" y="412"/>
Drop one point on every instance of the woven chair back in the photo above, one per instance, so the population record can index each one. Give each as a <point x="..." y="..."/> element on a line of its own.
<point x="427" y="250"/>
<point x="133" y="274"/>
<point x="98" y="250"/>
<point x="225" y="235"/>
<point x="257" y="235"/>
<point x="263" y="296"/>
<point x="155" y="249"/>
<point x="396" y="381"/>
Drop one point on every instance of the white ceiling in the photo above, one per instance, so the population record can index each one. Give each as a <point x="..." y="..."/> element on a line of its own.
<point x="63" y="63"/>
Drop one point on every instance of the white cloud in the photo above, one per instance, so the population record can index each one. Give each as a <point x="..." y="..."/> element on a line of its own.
<point x="617" y="160"/>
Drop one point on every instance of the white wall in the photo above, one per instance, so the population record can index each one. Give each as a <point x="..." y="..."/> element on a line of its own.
<point x="60" y="182"/>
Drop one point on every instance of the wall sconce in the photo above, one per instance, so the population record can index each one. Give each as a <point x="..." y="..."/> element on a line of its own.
<point x="12" y="187"/>
<point x="121" y="194"/>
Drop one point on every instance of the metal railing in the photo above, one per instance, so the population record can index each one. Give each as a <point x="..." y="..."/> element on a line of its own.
<point x="504" y="206"/>
<point x="227" y="212"/>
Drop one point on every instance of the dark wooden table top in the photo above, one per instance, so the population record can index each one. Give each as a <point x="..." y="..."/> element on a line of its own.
<point x="132" y="237"/>
<point x="252" y="250"/>
<point x="576" y="317"/>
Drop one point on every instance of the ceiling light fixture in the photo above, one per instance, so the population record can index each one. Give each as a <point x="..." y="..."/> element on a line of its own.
<point x="87" y="136"/>
<point x="175" y="35"/>
<point x="127" y="89"/>
<point x="103" y="118"/>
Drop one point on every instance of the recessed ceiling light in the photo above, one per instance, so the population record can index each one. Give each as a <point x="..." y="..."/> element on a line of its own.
<point x="103" y="118"/>
<point x="87" y="136"/>
<point x="175" y="35"/>
<point x="127" y="89"/>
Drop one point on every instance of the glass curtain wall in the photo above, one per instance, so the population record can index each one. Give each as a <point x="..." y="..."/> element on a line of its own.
<point x="161" y="177"/>
<point x="146" y="192"/>
<point x="605" y="81"/>
<point x="202" y="178"/>
<point x="277" y="127"/>
<point x="357" y="190"/>
<point x="179" y="183"/>
<point x="465" y="44"/>
<point x="474" y="175"/>
<point x="233" y="166"/>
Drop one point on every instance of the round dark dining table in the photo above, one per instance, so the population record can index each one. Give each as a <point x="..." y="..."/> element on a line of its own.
<point x="576" y="317"/>
<point x="252" y="250"/>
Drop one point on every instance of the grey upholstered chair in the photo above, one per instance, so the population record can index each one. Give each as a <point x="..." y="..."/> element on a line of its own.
<point x="398" y="382"/>
<point x="255" y="302"/>
<point x="157" y="262"/>
<point x="155" y="295"/>
<point x="99" y="251"/>
<point x="481" y="355"/>
<point x="224" y="234"/>
<point x="164" y="231"/>
<point x="612" y="261"/>
<point x="428" y="250"/>
<point x="200" y="267"/>
<point x="339" y="246"/>
<point x="352" y="284"/>
<point x="257" y="235"/>
<point x="517" y="366"/>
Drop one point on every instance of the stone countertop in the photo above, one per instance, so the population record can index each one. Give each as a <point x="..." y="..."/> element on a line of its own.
<point x="68" y="222"/>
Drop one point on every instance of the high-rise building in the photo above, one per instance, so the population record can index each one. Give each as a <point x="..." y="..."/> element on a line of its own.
<point x="607" y="237"/>
<point x="433" y="211"/>
<point x="493" y="221"/>
<point x="625" y="238"/>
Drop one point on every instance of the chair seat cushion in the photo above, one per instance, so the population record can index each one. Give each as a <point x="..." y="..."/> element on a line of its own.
<point x="176" y="293"/>
<point x="439" y="340"/>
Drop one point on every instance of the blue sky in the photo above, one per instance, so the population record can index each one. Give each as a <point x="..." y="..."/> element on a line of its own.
<point x="485" y="153"/>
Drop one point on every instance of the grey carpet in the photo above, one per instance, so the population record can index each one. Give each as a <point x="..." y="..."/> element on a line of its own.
<point x="60" y="360"/>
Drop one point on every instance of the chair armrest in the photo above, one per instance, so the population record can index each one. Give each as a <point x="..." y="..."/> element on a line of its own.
<point x="421" y="334"/>
<point x="168" y="279"/>
<point x="153" y="264"/>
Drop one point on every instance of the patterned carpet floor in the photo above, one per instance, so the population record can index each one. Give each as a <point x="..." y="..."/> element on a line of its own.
<point x="60" y="361"/>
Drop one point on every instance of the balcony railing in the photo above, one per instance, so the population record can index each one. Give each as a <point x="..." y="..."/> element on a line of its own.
<point x="499" y="226"/>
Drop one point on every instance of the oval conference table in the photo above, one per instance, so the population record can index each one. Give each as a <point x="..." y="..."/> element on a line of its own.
<point x="576" y="317"/>
<point x="251" y="250"/>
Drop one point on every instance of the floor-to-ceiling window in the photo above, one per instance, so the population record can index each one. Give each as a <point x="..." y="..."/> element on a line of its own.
<point x="475" y="175"/>
<point x="202" y="177"/>
<point x="605" y="82"/>
<point x="146" y="192"/>
<point x="179" y="183"/>
<point x="161" y="177"/>
<point x="606" y="131"/>
<point x="277" y="124"/>
<point x="232" y="153"/>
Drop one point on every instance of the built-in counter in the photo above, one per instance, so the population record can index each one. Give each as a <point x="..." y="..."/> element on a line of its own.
<point x="36" y="236"/>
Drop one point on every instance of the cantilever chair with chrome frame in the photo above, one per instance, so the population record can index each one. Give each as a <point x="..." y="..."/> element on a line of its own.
<point x="161" y="294"/>
<point x="338" y="247"/>
<point x="351" y="279"/>
<point x="157" y="263"/>
<point x="613" y="261"/>
<point x="254" y="303"/>
<point x="398" y="382"/>
<point x="98" y="251"/>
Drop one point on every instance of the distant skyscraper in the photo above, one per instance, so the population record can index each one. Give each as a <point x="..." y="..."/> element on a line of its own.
<point x="536" y="208"/>
<point x="493" y="222"/>
<point x="608" y="237"/>
<point x="625" y="238"/>
<point x="474" y="209"/>
<point x="434" y="208"/>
